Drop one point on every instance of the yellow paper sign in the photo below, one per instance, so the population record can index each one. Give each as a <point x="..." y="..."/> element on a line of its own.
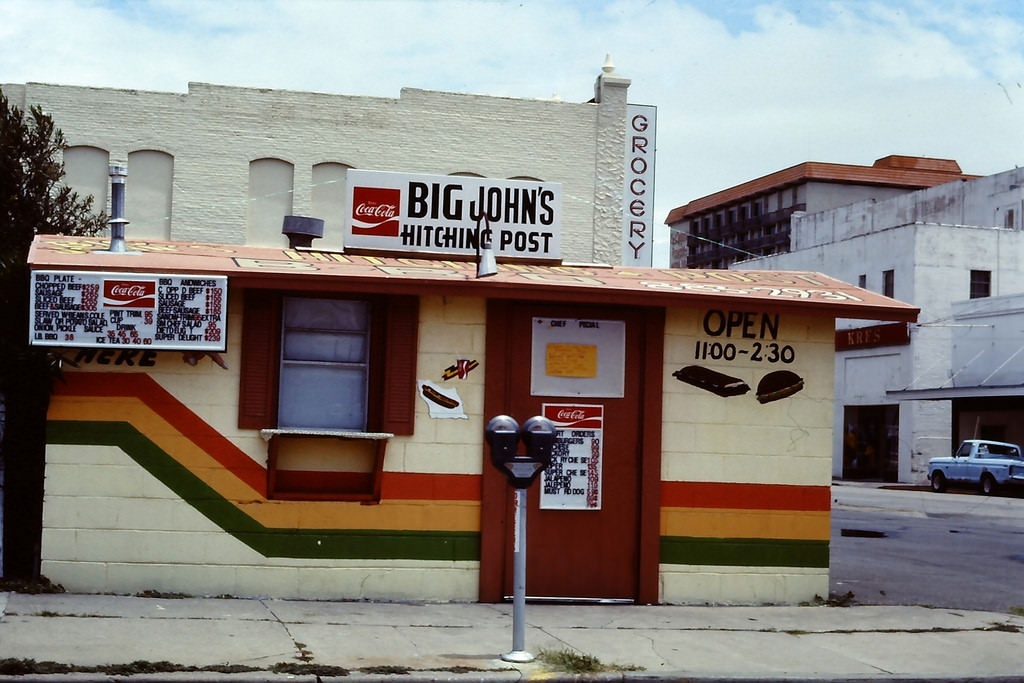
<point x="571" y="360"/>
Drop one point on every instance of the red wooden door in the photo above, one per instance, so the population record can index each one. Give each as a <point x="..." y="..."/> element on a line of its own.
<point x="582" y="553"/>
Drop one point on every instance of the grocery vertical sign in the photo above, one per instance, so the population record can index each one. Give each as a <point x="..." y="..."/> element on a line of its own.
<point x="638" y="212"/>
<point x="431" y="214"/>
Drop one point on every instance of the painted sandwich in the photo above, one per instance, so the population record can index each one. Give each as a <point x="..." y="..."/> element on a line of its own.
<point x="778" y="384"/>
<point x="711" y="380"/>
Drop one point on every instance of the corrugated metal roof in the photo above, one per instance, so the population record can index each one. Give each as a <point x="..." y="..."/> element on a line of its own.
<point x="266" y="267"/>
<point x="912" y="173"/>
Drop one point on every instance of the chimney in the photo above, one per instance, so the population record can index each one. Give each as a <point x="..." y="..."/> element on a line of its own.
<point x="118" y="174"/>
<point x="301" y="230"/>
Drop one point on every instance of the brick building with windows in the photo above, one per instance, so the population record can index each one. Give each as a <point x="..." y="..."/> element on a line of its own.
<point x="753" y="219"/>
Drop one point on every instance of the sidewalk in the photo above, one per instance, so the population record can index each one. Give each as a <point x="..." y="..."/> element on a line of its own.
<point x="409" y="642"/>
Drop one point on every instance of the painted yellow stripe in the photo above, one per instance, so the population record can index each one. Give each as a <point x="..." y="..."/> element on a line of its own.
<point x="410" y="515"/>
<point x="731" y="523"/>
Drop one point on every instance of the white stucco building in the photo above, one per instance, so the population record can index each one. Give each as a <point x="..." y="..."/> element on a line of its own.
<point x="932" y="248"/>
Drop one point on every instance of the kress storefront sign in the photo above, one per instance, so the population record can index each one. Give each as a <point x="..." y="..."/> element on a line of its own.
<point x="418" y="213"/>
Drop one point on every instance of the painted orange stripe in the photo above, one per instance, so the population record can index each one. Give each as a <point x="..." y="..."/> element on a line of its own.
<point x="414" y="515"/>
<point x="177" y="414"/>
<point x="701" y="494"/>
<point x="416" y="485"/>
<point x="394" y="485"/>
<point x="811" y="525"/>
<point x="415" y="512"/>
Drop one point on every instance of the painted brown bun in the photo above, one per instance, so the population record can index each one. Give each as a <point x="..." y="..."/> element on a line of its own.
<point x="778" y="384"/>
<point x="711" y="380"/>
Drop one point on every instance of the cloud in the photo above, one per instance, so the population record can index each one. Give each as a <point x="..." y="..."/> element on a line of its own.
<point x="743" y="88"/>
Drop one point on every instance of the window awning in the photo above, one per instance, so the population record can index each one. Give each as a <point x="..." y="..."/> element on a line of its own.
<point x="281" y="268"/>
<point x="949" y="393"/>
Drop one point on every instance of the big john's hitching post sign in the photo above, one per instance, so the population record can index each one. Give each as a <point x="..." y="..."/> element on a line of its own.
<point x="445" y="214"/>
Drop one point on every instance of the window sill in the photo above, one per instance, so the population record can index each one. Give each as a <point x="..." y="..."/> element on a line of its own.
<point x="269" y="434"/>
<point x="341" y="483"/>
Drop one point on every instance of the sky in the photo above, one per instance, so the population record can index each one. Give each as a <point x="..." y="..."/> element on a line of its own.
<point x="743" y="87"/>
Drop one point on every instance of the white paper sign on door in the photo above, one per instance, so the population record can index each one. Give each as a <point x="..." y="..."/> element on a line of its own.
<point x="573" y="479"/>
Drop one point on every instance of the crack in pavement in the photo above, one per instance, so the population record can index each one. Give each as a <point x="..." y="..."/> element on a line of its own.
<point x="303" y="655"/>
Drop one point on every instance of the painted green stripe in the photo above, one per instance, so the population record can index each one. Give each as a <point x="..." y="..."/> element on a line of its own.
<point x="744" y="552"/>
<point x="363" y="544"/>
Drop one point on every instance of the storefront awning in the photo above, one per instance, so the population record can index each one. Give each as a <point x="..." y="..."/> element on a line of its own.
<point x="267" y="267"/>
<point x="948" y="393"/>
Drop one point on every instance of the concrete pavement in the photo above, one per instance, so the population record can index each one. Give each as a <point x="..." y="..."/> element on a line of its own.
<point x="309" y="641"/>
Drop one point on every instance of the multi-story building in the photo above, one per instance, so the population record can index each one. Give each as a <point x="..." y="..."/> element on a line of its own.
<point x="753" y="219"/>
<point x="906" y="394"/>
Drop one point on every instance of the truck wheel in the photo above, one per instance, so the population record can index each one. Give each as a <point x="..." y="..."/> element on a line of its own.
<point x="988" y="484"/>
<point x="938" y="482"/>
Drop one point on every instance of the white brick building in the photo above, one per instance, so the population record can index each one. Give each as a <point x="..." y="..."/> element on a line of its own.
<point x="931" y="248"/>
<point x="225" y="164"/>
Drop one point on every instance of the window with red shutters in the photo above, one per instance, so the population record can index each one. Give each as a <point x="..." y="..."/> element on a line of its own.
<point x="332" y="364"/>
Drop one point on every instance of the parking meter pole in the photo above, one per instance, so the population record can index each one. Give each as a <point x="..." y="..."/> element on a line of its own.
<point x="519" y="653"/>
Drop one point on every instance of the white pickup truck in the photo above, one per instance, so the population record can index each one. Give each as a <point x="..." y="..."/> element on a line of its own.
<point x="989" y="464"/>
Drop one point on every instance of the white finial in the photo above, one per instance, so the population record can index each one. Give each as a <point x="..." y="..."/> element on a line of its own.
<point x="608" y="65"/>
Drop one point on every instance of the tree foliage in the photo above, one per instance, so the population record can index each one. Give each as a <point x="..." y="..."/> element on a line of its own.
<point x="32" y="201"/>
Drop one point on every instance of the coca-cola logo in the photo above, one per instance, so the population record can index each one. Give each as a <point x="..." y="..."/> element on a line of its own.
<point x="375" y="211"/>
<point x="126" y="291"/>
<point x="575" y="416"/>
<point x="371" y="210"/>
<point x="129" y="294"/>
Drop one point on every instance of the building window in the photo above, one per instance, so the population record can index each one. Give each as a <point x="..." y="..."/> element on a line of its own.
<point x="324" y="364"/>
<point x="1008" y="219"/>
<point x="981" y="284"/>
<point x="888" y="283"/>
<point x="862" y="281"/>
<point x="326" y="380"/>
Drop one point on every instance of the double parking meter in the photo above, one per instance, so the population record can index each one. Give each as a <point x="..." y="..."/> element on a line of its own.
<point x="538" y="435"/>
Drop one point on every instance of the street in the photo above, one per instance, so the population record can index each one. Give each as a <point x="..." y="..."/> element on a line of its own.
<point x="915" y="547"/>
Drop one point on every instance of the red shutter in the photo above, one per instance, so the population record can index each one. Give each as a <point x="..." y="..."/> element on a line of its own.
<point x="403" y="318"/>
<point x="257" y="387"/>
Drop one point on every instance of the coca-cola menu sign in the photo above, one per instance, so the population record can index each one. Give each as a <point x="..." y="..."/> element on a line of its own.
<point x="128" y="310"/>
<point x="431" y="214"/>
<point x="573" y="479"/>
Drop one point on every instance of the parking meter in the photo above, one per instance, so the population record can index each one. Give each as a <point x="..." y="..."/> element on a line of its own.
<point x="503" y="434"/>
<point x="538" y="434"/>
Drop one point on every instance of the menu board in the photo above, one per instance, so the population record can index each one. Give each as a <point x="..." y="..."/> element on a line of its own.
<point x="573" y="479"/>
<point x="128" y="310"/>
<point x="572" y="357"/>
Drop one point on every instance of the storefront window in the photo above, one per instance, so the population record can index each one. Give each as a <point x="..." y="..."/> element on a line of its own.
<point x="327" y="381"/>
<point x="324" y="364"/>
<point x="871" y="442"/>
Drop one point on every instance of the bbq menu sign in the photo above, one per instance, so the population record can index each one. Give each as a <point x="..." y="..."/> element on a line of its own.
<point x="128" y="310"/>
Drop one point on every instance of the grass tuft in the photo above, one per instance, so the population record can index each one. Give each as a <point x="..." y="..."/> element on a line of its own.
<point x="577" y="663"/>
